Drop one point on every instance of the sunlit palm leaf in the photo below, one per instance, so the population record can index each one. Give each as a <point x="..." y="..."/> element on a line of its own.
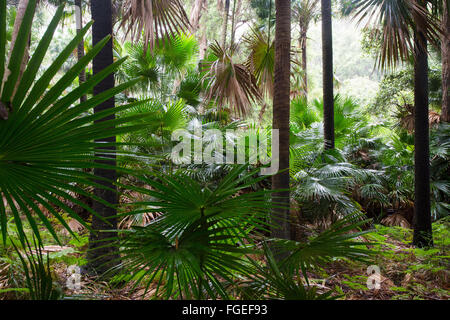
<point x="261" y="60"/>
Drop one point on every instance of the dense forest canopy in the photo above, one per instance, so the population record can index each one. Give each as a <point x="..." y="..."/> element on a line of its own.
<point x="224" y="149"/>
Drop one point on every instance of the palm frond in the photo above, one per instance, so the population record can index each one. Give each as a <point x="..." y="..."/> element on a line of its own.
<point x="230" y="83"/>
<point x="49" y="137"/>
<point x="154" y="19"/>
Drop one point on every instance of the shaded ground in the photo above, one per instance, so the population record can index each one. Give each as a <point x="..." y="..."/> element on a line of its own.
<point x="405" y="272"/>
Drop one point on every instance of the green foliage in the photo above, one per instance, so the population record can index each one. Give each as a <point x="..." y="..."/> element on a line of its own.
<point x="197" y="244"/>
<point x="397" y="88"/>
<point x="38" y="275"/>
<point x="264" y="9"/>
<point x="171" y="59"/>
<point x="49" y="137"/>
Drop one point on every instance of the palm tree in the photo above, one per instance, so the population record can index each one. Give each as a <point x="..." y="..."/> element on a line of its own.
<point x="305" y="11"/>
<point x="445" y="49"/>
<point x="102" y="15"/>
<point x="327" y="61"/>
<point x="281" y="111"/>
<point x="422" y="201"/>
<point x="397" y="19"/>
<point x="229" y="83"/>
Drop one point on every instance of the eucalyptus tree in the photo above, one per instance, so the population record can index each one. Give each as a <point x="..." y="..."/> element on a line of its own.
<point x="80" y="48"/>
<point x="226" y="11"/>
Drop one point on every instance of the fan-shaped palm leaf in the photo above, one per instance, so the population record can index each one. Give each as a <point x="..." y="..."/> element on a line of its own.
<point x="199" y="241"/>
<point x="261" y="60"/>
<point x="48" y="138"/>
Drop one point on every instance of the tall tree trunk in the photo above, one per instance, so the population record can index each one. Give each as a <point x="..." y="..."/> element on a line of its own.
<point x="233" y="20"/>
<point x="226" y="10"/>
<point x="281" y="110"/>
<point x="445" y="44"/>
<point x="422" y="211"/>
<point x="196" y="14"/>
<point x="20" y="14"/>
<point x="204" y="38"/>
<point x="327" y="60"/>
<point x="100" y="258"/>
<point x="303" y="40"/>
<point x="80" y="49"/>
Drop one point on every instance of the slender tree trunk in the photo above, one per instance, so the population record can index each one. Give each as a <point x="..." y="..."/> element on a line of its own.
<point x="303" y="40"/>
<point x="20" y="14"/>
<point x="327" y="58"/>
<point x="204" y="40"/>
<point x="225" y="23"/>
<point x="233" y="21"/>
<point x="98" y="262"/>
<point x="196" y="14"/>
<point x="281" y="110"/>
<point x="80" y="49"/>
<point x="445" y="115"/>
<point x="422" y="211"/>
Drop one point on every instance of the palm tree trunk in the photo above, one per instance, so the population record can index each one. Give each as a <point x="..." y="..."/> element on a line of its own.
<point x="281" y="110"/>
<point x="80" y="49"/>
<point x="422" y="211"/>
<point x="327" y="60"/>
<point x="98" y="262"/>
<point x="445" y="46"/>
<point x="225" y="23"/>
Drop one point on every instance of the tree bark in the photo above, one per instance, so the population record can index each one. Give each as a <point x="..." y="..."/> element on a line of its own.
<point x="422" y="210"/>
<point x="445" y="46"/>
<point x="303" y="41"/>
<point x="281" y="111"/>
<point x="101" y="258"/>
<point x="327" y="60"/>
<point x="196" y="14"/>
<point x="236" y="9"/>
<point x="20" y="14"/>
<point x="226" y="10"/>
<point x="80" y="49"/>
<point x="204" y="40"/>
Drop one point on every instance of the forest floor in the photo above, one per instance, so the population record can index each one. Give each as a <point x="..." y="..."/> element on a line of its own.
<point x="406" y="273"/>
